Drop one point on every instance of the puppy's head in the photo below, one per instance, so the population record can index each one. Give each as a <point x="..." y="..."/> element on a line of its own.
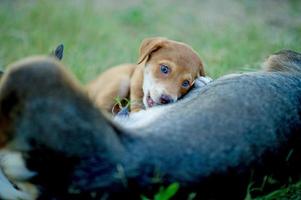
<point x="170" y="70"/>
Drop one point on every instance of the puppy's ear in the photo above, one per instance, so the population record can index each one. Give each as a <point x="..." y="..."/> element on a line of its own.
<point x="148" y="46"/>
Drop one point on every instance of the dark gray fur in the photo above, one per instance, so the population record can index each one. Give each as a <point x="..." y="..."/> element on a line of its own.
<point x="214" y="142"/>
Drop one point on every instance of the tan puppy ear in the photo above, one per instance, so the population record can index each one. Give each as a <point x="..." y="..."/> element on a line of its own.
<point x="148" y="46"/>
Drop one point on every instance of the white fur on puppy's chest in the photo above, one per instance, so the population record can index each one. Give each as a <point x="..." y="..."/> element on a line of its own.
<point x="148" y="83"/>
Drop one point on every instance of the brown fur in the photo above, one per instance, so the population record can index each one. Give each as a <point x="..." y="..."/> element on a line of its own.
<point x="284" y="60"/>
<point x="126" y="81"/>
<point x="110" y="84"/>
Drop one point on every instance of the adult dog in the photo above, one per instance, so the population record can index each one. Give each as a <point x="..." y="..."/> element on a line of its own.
<point x="215" y="142"/>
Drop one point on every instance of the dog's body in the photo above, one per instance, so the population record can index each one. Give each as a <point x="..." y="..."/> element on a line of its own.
<point x="114" y="82"/>
<point x="215" y="142"/>
<point x="166" y="70"/>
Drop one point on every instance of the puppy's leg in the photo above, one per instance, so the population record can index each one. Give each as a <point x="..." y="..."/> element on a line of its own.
<point x="136" y="95"/>
<point x="105" y="97"/>
<point x="113" y="83"/>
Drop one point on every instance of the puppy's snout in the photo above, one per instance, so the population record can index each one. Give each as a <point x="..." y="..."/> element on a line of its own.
<point x="165" y="99"/>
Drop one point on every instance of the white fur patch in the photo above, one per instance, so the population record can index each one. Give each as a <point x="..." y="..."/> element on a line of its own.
<point x="140" y="119"/>
<point x="12" y="167"/>
<point x="202" y="81"/>
<point x="147" y="85"/>
<point x="9" y="192"/>
<point x="156" y="90"/>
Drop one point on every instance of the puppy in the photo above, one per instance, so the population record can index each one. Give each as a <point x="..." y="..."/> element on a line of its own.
<point x="166" y="70"/>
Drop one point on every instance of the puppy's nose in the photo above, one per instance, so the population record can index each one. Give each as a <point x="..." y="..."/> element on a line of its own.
<point x="165" y="99"/>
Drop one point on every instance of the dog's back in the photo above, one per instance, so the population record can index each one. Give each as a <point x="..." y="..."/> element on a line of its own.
<point x="223" y="137"/>
<point x="234" y="128"/>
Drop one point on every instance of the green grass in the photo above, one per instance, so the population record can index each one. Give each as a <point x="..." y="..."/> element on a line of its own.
<point x="291" y="192"/>
<point x="165" y="193"/>
<point x="230" y="35"/>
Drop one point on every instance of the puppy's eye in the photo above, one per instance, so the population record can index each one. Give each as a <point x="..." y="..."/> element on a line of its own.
<point x="164" y="69"/>
<point x="185" y="84"/>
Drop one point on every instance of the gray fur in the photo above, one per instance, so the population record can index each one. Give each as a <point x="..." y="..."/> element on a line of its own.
<point x="213" y="142"/>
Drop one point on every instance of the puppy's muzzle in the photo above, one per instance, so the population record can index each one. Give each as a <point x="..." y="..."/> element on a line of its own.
<point x="165" y="99"/>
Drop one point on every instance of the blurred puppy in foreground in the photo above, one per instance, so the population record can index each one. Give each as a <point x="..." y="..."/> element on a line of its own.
<point x="218" y="142"/>
<point x="165" y="71"/>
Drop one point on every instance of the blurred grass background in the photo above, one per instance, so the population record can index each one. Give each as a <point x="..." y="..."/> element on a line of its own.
<point x="229" y="35"/>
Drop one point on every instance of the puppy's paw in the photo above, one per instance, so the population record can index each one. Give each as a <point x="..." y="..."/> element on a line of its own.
<point x="202" y="81"/>
<point x="136" y="106"/>
<point x="136" y="110"/>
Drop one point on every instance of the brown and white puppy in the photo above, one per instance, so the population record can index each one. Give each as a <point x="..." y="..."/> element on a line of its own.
<point x="165" y="71"/>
